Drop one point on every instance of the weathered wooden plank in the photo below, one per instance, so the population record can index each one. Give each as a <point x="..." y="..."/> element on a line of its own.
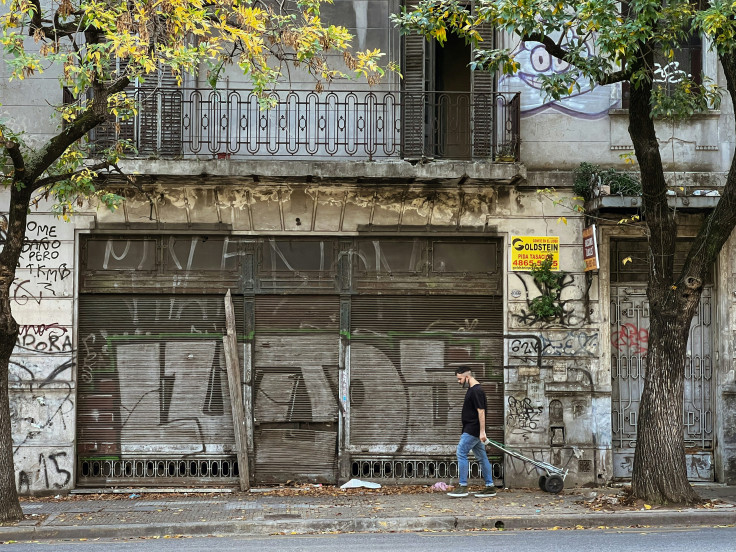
<point x="229" y="342"/>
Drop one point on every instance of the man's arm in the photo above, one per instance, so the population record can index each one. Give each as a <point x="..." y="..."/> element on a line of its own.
<point x="482" y="419"/>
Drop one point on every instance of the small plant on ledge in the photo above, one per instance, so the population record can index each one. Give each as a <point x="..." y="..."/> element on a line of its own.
<point x="590" y="179"/>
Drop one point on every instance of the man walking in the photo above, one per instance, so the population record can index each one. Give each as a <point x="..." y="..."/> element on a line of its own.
<point x="473" y="436"/>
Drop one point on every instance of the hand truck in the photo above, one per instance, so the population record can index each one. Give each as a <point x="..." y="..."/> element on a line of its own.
<point x="553" y="479"/>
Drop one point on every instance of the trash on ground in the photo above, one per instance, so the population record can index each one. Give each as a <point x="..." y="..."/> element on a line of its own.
<point x="358" y="483"/>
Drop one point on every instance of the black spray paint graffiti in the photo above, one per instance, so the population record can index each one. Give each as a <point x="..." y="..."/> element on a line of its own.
<point x="40" y="245"/>
<point x="63" y="409"/>
<point x="573" y="343"/>
<point x="24" y="480"/>
<point x="522" y="415"/>
<point x="44" y="338"/>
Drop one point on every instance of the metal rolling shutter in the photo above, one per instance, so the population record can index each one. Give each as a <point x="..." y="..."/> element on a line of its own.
<point x="295" y="388"/>
<point x="153" y="401"/>
<point x="403" y="355"/>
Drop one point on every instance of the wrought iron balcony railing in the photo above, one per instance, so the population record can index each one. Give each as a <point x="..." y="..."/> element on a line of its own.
<point x="336" y="124"/>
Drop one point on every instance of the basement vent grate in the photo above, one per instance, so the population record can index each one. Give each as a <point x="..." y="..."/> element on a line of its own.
<point x="113" y="469"/>
<point x="416" y="469"/>
<point x="585" y="466"/>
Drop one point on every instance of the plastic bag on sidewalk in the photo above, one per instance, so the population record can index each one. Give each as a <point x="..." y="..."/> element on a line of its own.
<point x="359" y="483"/>
<point x="441" y="486"/>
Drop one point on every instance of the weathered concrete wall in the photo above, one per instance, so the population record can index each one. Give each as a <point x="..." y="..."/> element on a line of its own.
<point x="559" y="411"/>
<point x="591" y="126"/>
<point x="42" y="369"/>
<point x="558" y="395"/>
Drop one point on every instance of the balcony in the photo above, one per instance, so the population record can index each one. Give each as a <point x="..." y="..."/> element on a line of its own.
<point x="202" y="124"/>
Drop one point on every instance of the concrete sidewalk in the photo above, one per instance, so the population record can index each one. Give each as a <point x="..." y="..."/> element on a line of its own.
<point x="307" y="510"/>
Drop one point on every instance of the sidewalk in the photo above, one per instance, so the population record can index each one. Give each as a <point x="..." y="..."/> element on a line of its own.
<point x="304" y="510"/>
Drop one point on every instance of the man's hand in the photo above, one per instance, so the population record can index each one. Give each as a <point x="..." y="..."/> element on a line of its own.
<point x="483" y="437"/>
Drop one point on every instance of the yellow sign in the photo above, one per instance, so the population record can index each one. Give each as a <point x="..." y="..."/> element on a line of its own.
<point x="527" y="251"/>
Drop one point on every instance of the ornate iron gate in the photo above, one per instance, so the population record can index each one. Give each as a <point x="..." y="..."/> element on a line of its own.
<point x="629" y="344"/>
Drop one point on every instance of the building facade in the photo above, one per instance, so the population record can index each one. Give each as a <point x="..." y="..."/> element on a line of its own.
<point x="373" y="239"/>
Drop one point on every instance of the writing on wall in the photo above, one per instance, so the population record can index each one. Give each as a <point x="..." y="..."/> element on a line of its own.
<point x="42" y="364"/>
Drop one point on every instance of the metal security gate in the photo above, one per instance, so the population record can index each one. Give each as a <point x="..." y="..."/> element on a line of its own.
<point x="403" y="391"/>
<point x="153" y="402"/>
<point x="629" y="344"/>
<point x="295" y="388"/>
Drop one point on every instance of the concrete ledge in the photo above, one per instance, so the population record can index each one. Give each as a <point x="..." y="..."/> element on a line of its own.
<point x="628" y="202"/>
<point x="656" y="518"/>
<point x="392" y="170"/>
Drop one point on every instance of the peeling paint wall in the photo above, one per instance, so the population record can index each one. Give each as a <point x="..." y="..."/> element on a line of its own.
<point x="42" y="369"/>
<point x="558" y="411"/>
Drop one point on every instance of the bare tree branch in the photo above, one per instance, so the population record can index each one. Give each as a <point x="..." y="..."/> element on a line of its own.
<point x="559" y="52"/>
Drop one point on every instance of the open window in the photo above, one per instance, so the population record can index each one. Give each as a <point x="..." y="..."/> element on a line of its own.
<point x="448" y="109"/>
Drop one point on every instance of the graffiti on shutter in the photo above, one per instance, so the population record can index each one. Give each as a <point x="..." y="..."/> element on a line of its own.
<point x="403" y="354"/>
<point x="295" y="388"/>
<point x="153" y="388"/>
<point x="629" y="346"/>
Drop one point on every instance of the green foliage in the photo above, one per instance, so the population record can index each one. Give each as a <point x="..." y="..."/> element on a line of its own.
<point x="603" y="42"/>
<point x="587" y="176"/>
<point x="684" y="99"/>
<point x="547" y="305"/>
<point x="98" y="47"/>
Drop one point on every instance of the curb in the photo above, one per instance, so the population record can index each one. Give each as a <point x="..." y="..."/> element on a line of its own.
<point x="375" y="525"/>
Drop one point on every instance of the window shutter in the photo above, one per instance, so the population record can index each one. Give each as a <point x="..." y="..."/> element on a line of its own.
<point x="483" y="86"/>
<point x="157" y="129"/>
<point x="413" y="96"/>
<point x="160" y="118"/>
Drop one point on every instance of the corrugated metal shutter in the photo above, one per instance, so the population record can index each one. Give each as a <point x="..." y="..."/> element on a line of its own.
<point x="295" y="388"/>
<point x="403" y="355"/>
<point x="153" y="382"/>
<point x="413" y="97"/>
<point x="483" y="84"/>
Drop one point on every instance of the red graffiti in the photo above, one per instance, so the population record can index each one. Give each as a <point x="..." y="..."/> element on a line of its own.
<point x="636" y="340"/>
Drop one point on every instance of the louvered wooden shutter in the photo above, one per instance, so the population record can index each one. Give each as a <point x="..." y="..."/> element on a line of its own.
<point x="413" y="96"/>
<point x="114" y="128"/>
<point x="160" y="118"/>
<point x="483" y="86"/>
<point x="157" y="129"/>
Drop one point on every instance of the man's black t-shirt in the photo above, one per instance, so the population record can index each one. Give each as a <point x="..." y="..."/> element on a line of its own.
<point x="475" y="398"/>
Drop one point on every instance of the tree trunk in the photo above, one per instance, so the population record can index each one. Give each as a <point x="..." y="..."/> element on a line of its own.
<point x="660" y="474"/>
<point x="10" y="509"/>
<point x="660" y="471"/>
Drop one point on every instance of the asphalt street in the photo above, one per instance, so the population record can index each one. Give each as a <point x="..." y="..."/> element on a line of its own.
<point x="717" y="539"/>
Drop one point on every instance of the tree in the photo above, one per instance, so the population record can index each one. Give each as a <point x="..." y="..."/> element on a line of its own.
<point x="627" y="39"/>
<point x="99" y="47"/>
